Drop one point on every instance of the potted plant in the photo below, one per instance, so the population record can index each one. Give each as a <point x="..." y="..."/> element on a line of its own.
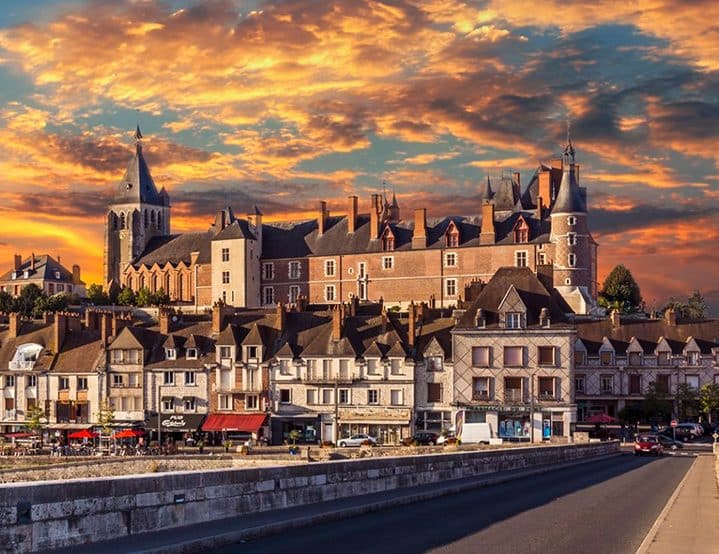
<point x="293" y="436"/>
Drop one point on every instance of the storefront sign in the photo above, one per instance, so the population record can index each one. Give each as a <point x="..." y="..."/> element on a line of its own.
<point x="181" y="422"/>
<point x="369" y="414"/>
<point x="499" y="409"/>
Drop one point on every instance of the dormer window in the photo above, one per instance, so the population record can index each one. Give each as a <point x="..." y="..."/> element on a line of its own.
<point x="513" y="320"/>
<point x="692" y="358"/>
<point x="387" y="240"/>
<point x="451" y="238"/>
<point x="170" y="353"/>
<point x="521" y="231"/>
<point x="252" y="352"/>
<point x="26" y="274"/>
<point x="57" y="275"/>
<point x="192" y="353"/>
<point x="606" y="357"/>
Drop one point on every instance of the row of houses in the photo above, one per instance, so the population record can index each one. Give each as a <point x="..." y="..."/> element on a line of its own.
<point x="508" y="356"/>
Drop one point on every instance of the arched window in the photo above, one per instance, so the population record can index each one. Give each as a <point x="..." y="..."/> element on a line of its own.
<point x="142" y="281"/>
<point x="159" y="220"/>
<point x="451" y="238"/>
<point x="147" y="220"/>
<point x="122" y="221"/>
<point x="113" y="221"/>
<point x="167" y="284"/>
<point x="129" y="282"/>
<point x="152" y="218"/>
<point x="180" y="287"/>
<point x="154" y="282"/>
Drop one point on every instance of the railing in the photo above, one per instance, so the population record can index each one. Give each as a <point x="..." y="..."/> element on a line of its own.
<point x="481" y="396"/>
<point x="9" y="415"/>
<point x="548" y="397"/>
<point x="22" y="364"/>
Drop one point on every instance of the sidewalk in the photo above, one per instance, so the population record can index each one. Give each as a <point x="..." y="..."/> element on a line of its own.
<point x="690" y="523"/>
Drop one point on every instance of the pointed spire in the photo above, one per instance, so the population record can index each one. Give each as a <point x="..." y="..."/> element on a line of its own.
<point x="569" y="149"/>
<point x="138" y="139"/>
<point x="485" y="191"/>
<point x="394" y="200"/>
<point x="569" y="198"/>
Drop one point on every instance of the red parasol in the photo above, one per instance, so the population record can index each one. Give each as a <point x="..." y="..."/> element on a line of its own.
<point x="84" y="434"/>
<point x="601" y="418"/>
<point x="128" y="434"/>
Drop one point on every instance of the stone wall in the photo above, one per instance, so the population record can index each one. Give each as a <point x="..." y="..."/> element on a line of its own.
<point x="54" y="514"/>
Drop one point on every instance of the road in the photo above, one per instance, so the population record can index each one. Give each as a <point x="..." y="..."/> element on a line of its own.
<point x="605" y="506"/>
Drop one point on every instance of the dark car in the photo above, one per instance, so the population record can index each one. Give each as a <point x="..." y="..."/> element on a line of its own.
<point x="682" y="432"/>
<point x="422" y="438"/>
<point x="669" y="443"/>
<point x="648" y="444"/>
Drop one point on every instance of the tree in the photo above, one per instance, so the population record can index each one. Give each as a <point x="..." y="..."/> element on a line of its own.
<point x="656" y="404"/>
<point x="145" y="297"/>
<point x="621" y="291"/>
<point x="106" y="416"/>
<point x="97" y="295"/>
<point x="709" y="399"/>
<point x="25" y="303"/>
<point x="55" y="303"/>
<point x="34" y="419"/>
<point x="6" y="301"/>
<point x="126" y="297"/>
<point x="687" y="400"/>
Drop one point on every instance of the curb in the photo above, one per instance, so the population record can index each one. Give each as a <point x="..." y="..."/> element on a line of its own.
<point x="202" y="544"/>
<point x="649" y="539"/>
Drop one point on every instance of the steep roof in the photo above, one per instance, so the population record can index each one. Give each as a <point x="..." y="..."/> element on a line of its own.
<point x="137" y="185"/>
<point x="175" y="249"/>
<point x="238" y="229"/>
<point x="45" y="268"/>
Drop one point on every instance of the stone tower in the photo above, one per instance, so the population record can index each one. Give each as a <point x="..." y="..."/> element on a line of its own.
<point x="574" y="249"/>
<point x="138" y="213"/>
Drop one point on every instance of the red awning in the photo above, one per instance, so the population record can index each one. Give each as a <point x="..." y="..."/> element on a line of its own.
<point x="246" y="423"/>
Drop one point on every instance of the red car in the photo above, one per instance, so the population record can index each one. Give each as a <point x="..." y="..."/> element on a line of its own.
<point x="648" y="444"/>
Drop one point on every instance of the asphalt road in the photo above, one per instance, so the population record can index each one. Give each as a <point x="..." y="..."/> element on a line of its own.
<point x="606" y="506"/>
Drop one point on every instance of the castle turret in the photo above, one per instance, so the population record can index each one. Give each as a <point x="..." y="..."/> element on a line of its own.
<point x="574" y="249"/>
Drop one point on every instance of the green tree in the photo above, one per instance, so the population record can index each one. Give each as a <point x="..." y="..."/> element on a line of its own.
<point x="25" y="303"/>
<point x="34" y="419"/>
<point x="709" y="399"/>
<point x="105" y="417"/>
<point x="145" y="297"/>
<point x="621" y="291"/>
<point x="687" y="400"/>
<point x="6" y="301"/>
<point x="97" y="295"/>
<point x="55" y="303"/>
<point x="126" y="297"/>
<point x="696" y="306"/>
<point x="656" y="404"/>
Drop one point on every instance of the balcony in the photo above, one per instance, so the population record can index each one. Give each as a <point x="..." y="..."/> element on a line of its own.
<point x="481" y="396"/>
<point x="329" y="382"/>
<point x="513" y="395"/>
<point x="9" y="415"/>
<point x="22" y="364"/>
<point x="547" y="396"/>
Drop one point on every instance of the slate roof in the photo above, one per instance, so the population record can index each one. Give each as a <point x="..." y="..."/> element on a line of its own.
<point x="30" y="332"/>
<point x="175" y="249"/>
<point x="238" y="229"/>
<point x="45" y="268"/>
<point x="648" y="332"/>
<point x="569" y="198"/>
<point x="137" y="185"/>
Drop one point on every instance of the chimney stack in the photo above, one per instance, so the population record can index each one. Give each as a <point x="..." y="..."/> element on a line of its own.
<point x="412" y="323"/>
<point x="544" y="320"/>
<point x="281" y="318"/>
<point x="480" y="320"/>
<point x="32" y="261"/>
<point x="90" y="319"/>
<point x="354" y="305"/>
<point x="419" y="237"/>
<point x="59" y="331"/>
<point x="164" y="317"/>
<point x="374" y="217"/>
<point x="322" y="219"/>
<point x="218" y="316"/>
<point x="337" y="322"/>
<point x="545" y="185"/>
<point x="105" y="328"/>
<point x="76" y="274"/>
<point x="670" y="317"/>
<point x="540" y="207"/>
<point x="352" y="215"/>
<point x="615" y="317"/>
<point x="487" y="234"/>
<point x="15" y="323"/>
<point x="385" y="320"/>
<point x="18" y="262"/>
<point x="516" y="178"/>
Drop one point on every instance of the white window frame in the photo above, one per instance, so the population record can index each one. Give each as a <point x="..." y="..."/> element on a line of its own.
<point x="450" y="287"/>
<point x="225" y="277"/>
<point x="294" y="270"/>
<point x="583" y="380"/>
<point x="330" y="293"/>
<point x="572" y="259"/>
<point x="191" y="354"/>
<point x="170" y="354"/>
<point x="168" y="377"/>
<point x="252" y="402"/>
<point x="571" y="220"/>
<point x="330" y="268"/>
<point x="190" y="378"/>
<point x="268" y="296"/>
<point x="268" y="271"/>
<point x="373" y="396"/>
<point x="224" y="402"/>
<point x="572" y="239"/>
<point x="387" y="263"/>
<point x="542" y="258"/>
<point x="343" y="397"/>
<point x="293" y="294"/>
<point x="521" y="258"/>
<point x="450" y="259"/>
<point x="168" y="403"/>
<point x="225" y="253"/>
<point x="400" y="397"/>
<point x="513" y="320"/>
<point x="189" y="403"/>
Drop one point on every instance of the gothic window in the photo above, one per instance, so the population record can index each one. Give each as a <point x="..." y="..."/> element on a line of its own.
<point x="154" y="283"/>
<point x="113" y="218"/>
<point x="152" y="218"/>
<point x="147" y="220"/>
<point x="451" y="238"/>
<point x="122" y="221"/>
<point x="167" y="284"/>
<point x="159" y="220"/>
<point x="181" y="287"/>
<point x="521" y="231"/>
<point x="142" y="281"/>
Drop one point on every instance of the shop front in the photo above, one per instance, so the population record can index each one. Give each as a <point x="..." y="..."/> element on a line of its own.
<point x="181" y="428"/>
<point x="387" y="425"/>
<point x="306" y="426"/>
<point x="235" y="428"/>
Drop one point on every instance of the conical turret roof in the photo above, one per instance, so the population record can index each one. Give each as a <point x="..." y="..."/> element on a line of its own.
<point x="569" y="198"/>
<point x="136" y="185"/>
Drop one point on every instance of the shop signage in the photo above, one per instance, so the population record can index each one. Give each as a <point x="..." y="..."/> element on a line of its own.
<point x="368" y="414"/>
<point x="182" y="422"/>
<point x="499" y="409"/>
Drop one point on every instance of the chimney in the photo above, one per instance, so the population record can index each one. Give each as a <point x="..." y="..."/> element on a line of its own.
<point x="18" y="262"/>
<point x="32" y="261"/>
<point x="15" y="324"/>
<point x="385" y="320"/>
<point x="670" y="317"/>
<point x="516" y="178"/>
<point x="374" y="221"/>
<point x="615" y="317"/>
<point x="90" y="319"/>
<point x="544" y="320"/>
<point x="540" y="207"/>
<point x="281" y="318"/>
<point x="322" y="219"/>
<point x="104" y="328"/>
<point x="337" y="322"/>
<point x="59" y="331"/>
<point x="411" y="324"/>
<point x="164" y="318"/>
<point x="218" y="316"/>
<point x="487" y="233"/>
<point x="352" y="215"/>
<point x="419" y="238"/>
<point x="354" y="305"/>
<point x="480" y="320"/>
<point x="545" y="184"/>
<point x="75" y="274"/>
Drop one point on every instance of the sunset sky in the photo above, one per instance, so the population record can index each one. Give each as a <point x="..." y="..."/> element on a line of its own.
<point x="282" y="104"/>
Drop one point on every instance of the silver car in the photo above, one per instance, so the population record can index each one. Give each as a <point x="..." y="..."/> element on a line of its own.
<point x="357" y="440"/>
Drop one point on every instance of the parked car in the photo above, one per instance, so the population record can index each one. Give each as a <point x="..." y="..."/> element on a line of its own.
<point x="684" y="432"/>
<point x="357" y="440"/>
<point x="648" y="444"/>
<point x="422" y="438"/>
<point x="669" y="443"/>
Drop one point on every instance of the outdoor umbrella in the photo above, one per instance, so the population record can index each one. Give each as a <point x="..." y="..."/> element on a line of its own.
<point x="601" y="418"/>
<point x="84" y="434"/>
<point x="128" y="434"/>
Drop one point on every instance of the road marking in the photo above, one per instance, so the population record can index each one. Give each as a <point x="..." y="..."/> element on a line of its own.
<point x="646" y="543"/>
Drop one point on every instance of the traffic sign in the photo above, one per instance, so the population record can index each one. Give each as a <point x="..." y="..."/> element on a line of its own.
<point x="674" y="423"/>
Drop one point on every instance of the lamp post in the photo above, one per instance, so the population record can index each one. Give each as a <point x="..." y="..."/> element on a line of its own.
<point x="159" y="409"/>
<point x="531" y="407"/>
